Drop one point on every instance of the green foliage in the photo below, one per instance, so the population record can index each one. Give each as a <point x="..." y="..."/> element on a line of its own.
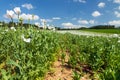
<point x="20" y="60"/>
<point x="94" y="54"/>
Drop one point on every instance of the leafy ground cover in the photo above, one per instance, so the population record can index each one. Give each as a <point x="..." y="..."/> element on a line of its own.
<point x="30" y="54"/>
<point x="112" y="31"/>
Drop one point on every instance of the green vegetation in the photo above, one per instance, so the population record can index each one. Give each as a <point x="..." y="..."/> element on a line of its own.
<point x="28" y="54"/>
<point x="97" y="56"/>
<point x="113" y="31"/>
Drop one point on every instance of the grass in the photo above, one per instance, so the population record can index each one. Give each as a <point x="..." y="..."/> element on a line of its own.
<point x="112" y="31"/>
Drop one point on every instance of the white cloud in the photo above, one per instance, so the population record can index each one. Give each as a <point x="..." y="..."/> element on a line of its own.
<point x="74" y="19"/>
<point x="28" y="6"/>
<point x="91" y="21"/>
<point x="46" y="20"/>
<point x="29" y="16"/>
<point x="114" y="22"/>
<point x="118" y="7"/>
<point x="37" y="24"/>
<point x="83" y="22"/>
<point x="49" y="20"/>
<point x="117" y="1"/>
<point x="81" y="1"/>
<point x="117" y="14"/>
<point x="71" y="25"/>
<point x="36" y="17"/>
<point x="101" y="5"/>
<point x="68" y="24"/>
<point x="56" y="18"/>
<point x="96" y="14"/>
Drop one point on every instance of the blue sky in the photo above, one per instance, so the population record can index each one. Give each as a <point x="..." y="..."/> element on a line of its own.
<point x="66" y="13"/>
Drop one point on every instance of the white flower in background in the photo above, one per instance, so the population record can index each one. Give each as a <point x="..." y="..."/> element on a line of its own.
<point x="13" y="28"/>
<point x="17" y="10"/>
<point x="118" y="41"/>
<point x="2" y="32"/>
<point x="53" y="29"/>
<point x="6" y="30"/>
<point x="10" y="13"/>
<point x="115" y="35"/>
<point x="26" y="40"/>
<point x="29" y="16"/>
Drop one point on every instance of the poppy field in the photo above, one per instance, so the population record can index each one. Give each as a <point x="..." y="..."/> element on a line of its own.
<point x="29" y="54"/>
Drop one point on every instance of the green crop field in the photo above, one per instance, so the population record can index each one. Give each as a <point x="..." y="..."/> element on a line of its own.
<point x="28" y="54"/>
<point x="112" y="31"/>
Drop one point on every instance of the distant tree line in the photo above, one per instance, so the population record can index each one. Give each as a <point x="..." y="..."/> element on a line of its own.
<point x="92" y="27"/>
<point x="15" y="24"/>
<point x="103" y="27"/>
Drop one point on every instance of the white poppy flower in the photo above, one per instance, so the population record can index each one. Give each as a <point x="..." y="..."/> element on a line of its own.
<point x="10" y="13"/>
<point x="118" y="41"/>
<point x="26" y="40"/>
<point x="17" y="10"/>
<point x="115" y="35"/>
<point x="53" y="29"/>
<point x="13" y="28"/>
<point x="6" y="30"/>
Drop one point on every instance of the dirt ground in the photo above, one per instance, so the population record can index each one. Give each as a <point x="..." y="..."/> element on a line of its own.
<point x="62" y="72"/>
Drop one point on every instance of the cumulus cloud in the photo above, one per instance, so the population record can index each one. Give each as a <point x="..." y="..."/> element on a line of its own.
<point x="74" y="19"/>
<point x="101" y="5"/>
<point x="116" y="1"/>
<point x="37" y="24"/>
<point x="118" y="7"/>
<point x="92" y="21"/>
<point x="49" y="20"/>
<point x="114" y="22"/>
<point x="68" y="24"/>
<point x="83" y="22"/>
<point x="81" y="1"/>
<point x="56" y="18"/>
<point x="71" y="25"/>
<point x="117" y="14"/>
<point x="46" y="20"/>
<point x="28" y="6"/>
<point x="96" y="14"/>
<point x="29" y="16"/>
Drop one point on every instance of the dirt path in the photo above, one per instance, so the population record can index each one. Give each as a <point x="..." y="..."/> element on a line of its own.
<point x="63" y="71"/>
<point x="60" y="71"/>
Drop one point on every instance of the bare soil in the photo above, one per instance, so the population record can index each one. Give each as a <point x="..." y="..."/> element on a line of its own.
<point x="63" y="71"/>
<point x="60" y="71"/>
